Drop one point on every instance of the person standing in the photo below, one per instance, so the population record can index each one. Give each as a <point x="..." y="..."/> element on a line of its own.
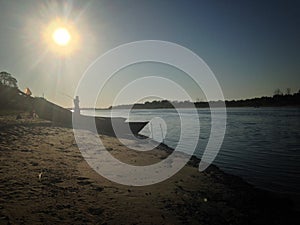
<point x="76" y="106"/>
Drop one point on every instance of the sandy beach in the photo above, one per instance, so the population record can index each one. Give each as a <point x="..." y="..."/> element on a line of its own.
<point x="45" y="180"/>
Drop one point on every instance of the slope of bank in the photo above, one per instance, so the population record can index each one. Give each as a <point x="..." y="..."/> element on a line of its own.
<point x="70" y="192"/>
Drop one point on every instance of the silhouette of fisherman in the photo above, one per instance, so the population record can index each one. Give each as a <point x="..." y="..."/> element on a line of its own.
<point x="76" y="106"/>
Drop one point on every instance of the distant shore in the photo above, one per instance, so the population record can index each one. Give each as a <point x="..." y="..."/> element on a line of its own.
<point x="279" y="100"/>
<point x="70" y="192"/>
<point x="291" y="106"/>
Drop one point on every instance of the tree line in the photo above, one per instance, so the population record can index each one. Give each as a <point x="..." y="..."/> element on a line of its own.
<point x="7" y="79"/>
<point x="278" y="99"/>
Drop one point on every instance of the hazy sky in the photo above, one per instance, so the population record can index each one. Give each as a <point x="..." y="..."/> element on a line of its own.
<point x="253" y="47"/>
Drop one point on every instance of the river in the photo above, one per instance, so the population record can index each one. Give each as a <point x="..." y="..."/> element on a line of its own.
<point x="261" y="145"/>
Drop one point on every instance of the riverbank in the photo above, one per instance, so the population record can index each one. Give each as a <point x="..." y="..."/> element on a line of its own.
<point x="70" y="192"/>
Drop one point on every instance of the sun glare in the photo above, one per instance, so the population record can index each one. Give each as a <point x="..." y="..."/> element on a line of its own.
<point x="61" y="36"/>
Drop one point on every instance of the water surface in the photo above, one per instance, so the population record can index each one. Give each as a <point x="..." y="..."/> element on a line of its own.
<point x="262" y="145"/>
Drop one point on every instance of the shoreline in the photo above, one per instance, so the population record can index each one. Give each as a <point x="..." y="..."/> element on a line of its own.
<point x="231" y="107"/>
<point x="71" y="192"/>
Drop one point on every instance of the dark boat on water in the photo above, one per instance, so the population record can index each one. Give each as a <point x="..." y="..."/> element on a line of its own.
<point x="102" y="125"/>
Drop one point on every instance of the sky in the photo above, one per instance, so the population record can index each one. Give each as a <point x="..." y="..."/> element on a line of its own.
<point x="252" y="47"/>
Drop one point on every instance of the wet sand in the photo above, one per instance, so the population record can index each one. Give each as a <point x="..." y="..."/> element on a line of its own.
<point x="69" y="191"/>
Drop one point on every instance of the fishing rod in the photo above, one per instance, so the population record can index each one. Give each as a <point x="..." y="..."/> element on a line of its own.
<point x="66" y="95"/>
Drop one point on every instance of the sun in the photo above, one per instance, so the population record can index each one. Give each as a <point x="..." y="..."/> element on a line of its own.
<point x="61" y="36"/>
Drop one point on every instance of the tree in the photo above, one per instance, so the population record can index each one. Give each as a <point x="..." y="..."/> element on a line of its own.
<point x="8" y="80"/>
<point x="288" y="91"/>
<point x="277" y="92"/>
